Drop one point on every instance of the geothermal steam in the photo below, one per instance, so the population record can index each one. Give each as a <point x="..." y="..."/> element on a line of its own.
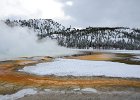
<point x="22" y="42"/>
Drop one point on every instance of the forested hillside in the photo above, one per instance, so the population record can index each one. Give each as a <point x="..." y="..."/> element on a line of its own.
<point x="41" y="26"/>
<point x="91" y="37"/>
<point x="100" y="38"/>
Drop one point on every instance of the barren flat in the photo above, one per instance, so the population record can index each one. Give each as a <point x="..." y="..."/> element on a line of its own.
<point x="84" y="96"/>
<point x="13" y="80"/>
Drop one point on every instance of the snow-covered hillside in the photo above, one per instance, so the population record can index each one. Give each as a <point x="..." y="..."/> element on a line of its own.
<point x="91" y="37"/>
<point x="101" y="38"/>
<point x="41" y="26"/>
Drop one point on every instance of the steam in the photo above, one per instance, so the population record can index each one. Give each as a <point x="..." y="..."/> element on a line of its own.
<point x="22" y="42"/>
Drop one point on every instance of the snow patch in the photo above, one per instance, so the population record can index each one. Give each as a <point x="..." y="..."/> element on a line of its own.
<point x="89" y="90"/>
<point x="123" y="51"/>
<point x="47" y="90"/>
<point x="77" y="89"/>
<point x="64" y="67"/>
<point x="111" y="51"/>
<point x="19" y="94"/>
<point x="136" y="58"/>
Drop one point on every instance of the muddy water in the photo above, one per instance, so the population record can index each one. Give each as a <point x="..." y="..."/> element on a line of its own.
<point x="11" y="80"/>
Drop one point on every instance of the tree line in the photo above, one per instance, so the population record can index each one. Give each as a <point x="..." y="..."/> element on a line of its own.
<point x="90" y="37"/>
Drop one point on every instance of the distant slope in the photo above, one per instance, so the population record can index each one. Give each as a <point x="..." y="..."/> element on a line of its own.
<point x="91" y="37"/>
<point x="41" y="26"/>
<point x="101" y="38"/>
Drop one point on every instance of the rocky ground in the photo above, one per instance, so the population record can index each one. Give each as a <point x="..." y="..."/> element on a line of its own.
<point x="84" y="96"/>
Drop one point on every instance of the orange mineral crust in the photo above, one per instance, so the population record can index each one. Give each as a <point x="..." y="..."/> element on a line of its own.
<point x="96" y="56"/>
<point x="9" y="73"/>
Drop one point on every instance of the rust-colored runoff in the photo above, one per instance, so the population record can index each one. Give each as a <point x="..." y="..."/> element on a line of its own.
<point x="9" y="73"/>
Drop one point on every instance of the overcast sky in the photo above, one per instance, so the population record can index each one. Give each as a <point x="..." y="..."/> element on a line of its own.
<point x="78" y="13"/>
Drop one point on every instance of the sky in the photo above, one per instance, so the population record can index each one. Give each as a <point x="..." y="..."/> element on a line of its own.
<point x="77" y="13"/>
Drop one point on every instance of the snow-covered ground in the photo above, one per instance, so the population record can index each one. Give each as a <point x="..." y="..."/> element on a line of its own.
<point x="32" y="91"/>
<point x="64" y="67"/>
<point x="136" y="58"/>
<point x="18" y="94"/>
<point x="77" y="93"/>
<point x="123" y="51"/>
<point x="111" y="51"/>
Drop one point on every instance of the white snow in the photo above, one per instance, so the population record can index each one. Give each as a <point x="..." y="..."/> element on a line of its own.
<point x="112" y="51"/>
<point x="89" y="90"/>
<point x="123" y="51"/>
<point x="19" y="94"/>
<point x="77" y="89"/>
<point x="64" y="67"/>
<point x="136" y="58"/>
<point x="47" y="90"/>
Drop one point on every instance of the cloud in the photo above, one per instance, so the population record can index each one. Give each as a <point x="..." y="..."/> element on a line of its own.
<point x="69" y="3"/>
<point x="51" y="9"/>
<point x="78" y="13"/>
<point x="103" y="13"/>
